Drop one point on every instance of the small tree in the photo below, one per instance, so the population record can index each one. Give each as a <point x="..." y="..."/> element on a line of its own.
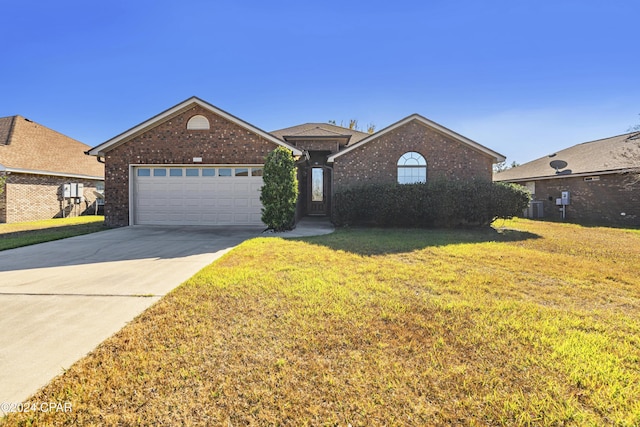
<point x="279" y="193"/>
<point x="503" y="166"/>
<point x="353" y="125"/>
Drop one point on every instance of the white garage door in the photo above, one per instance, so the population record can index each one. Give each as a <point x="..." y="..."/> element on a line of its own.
<point x="173" y="195"/>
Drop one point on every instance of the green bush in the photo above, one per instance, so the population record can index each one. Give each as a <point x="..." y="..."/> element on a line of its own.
<point x="279" y="193"/>
<point x="439" y="203"/>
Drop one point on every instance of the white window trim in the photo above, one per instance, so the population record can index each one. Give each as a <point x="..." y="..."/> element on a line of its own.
<point x="198" y="122"/>
<point x="414" y="167"/>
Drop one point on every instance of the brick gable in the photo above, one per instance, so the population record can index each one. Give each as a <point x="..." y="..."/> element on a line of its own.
<point x="376" y="161"/>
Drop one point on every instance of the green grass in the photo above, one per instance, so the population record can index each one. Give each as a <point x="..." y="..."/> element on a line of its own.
<point x="30" y="233"/>
<point x="538" y="324"/>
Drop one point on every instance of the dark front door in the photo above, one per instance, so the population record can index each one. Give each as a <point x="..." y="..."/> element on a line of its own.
<point x="318" y="203"/>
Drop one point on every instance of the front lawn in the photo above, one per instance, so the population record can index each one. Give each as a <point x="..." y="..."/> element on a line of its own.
<point x="30" y="233"/>
<point x="536" y="325"/>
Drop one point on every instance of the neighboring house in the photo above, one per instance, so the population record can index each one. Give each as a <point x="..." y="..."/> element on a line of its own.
<point x="37" y="165"/>
<point x="196" y="164"/>
<point x="600" y="180"/>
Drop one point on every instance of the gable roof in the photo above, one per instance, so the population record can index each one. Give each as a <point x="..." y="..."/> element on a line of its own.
<point x="602" y="156"/>
<point x="496" y="156"/>
<point x="320" y="130"/>
<point x="28" y="147"/>
<point x="103" y="148"/>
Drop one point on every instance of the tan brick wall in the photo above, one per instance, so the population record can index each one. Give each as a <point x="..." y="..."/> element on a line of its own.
<point x="35" y="197"/>
<point x="376" y="161"/>
<point x="593" y="202"/>
<point x="171" y="143"/>
<point x="3" y="203"/>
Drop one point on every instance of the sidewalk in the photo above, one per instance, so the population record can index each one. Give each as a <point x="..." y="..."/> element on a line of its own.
<point x="308" y="226"/>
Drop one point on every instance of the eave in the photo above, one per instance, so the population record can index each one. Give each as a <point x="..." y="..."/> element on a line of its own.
<point x="105" y="147"/>
<point x="497" y="157"/>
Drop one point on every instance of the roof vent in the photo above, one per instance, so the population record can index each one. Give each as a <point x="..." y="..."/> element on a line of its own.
<point x="198" y="122"/>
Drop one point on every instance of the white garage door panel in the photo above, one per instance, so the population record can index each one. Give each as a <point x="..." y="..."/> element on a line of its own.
<point x="196" y="200"/>
<point x="224" y="203"/>
<point x="241" y="203"/>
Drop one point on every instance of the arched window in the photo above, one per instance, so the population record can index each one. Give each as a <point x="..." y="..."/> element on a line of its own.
<point x="198" y="123"/>
<point x="412" y="168"/>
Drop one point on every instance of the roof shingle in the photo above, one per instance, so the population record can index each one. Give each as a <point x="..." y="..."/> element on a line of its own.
<point x="320" y="130"/>
<point x="607" y="155"/>
<point x="29" y="146"/>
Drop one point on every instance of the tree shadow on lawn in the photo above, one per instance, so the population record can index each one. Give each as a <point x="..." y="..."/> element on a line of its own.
<point x="381" y="241"/>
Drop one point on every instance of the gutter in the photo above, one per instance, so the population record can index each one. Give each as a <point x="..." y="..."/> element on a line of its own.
<point x="576" y="175"/>
<point x="98" y="157"/>
<point x="38" y="172"/>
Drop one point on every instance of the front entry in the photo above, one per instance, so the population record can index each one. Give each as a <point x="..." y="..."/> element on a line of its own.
<point x="317" y="193"/>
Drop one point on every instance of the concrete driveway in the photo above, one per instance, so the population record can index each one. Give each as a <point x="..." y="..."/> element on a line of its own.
<point x="59" y="300"/>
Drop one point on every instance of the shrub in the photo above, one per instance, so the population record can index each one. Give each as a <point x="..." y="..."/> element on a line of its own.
<point x="279" y="193"/>
<point x="509" y="200"/>
<point x="439" y="203"/>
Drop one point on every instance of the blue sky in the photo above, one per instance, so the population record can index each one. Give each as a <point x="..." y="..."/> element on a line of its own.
<point x="524" y="78"/>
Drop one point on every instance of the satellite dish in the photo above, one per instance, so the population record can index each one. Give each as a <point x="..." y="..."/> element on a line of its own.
<point x="558" y="164"/>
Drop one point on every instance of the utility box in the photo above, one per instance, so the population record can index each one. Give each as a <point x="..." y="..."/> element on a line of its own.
<point x="565" y="198"/>
<point x="73" y="191"/>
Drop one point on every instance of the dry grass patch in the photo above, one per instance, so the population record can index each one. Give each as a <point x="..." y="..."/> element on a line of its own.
<point x="381" y="327"/>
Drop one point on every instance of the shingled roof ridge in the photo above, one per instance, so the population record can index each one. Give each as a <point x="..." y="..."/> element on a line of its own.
<point x="629" y="135"/>
<point x="318" y="126"/>
<point x="5" y="136"/>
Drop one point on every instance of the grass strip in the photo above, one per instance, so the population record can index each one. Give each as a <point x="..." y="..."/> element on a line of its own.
<point x="30" y="233"/>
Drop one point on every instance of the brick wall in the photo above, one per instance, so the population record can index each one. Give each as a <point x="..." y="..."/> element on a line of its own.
<point x="171" y="143"/>
<point x="328" y="145"/>
<point x="3" y="203"/>
<point x="376" y="161"/>
<point x="35" y="197"/>
<point x="593" y="202"/>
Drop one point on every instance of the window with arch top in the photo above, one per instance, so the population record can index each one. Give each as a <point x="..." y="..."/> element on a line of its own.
<point x="412" y="168"/>
<point x="198" y="122"/>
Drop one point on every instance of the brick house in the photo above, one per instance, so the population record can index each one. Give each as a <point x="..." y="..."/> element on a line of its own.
<point x="197" y="164"/>
<point x="37" y="164"/>
<point x="599" y="179"/>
